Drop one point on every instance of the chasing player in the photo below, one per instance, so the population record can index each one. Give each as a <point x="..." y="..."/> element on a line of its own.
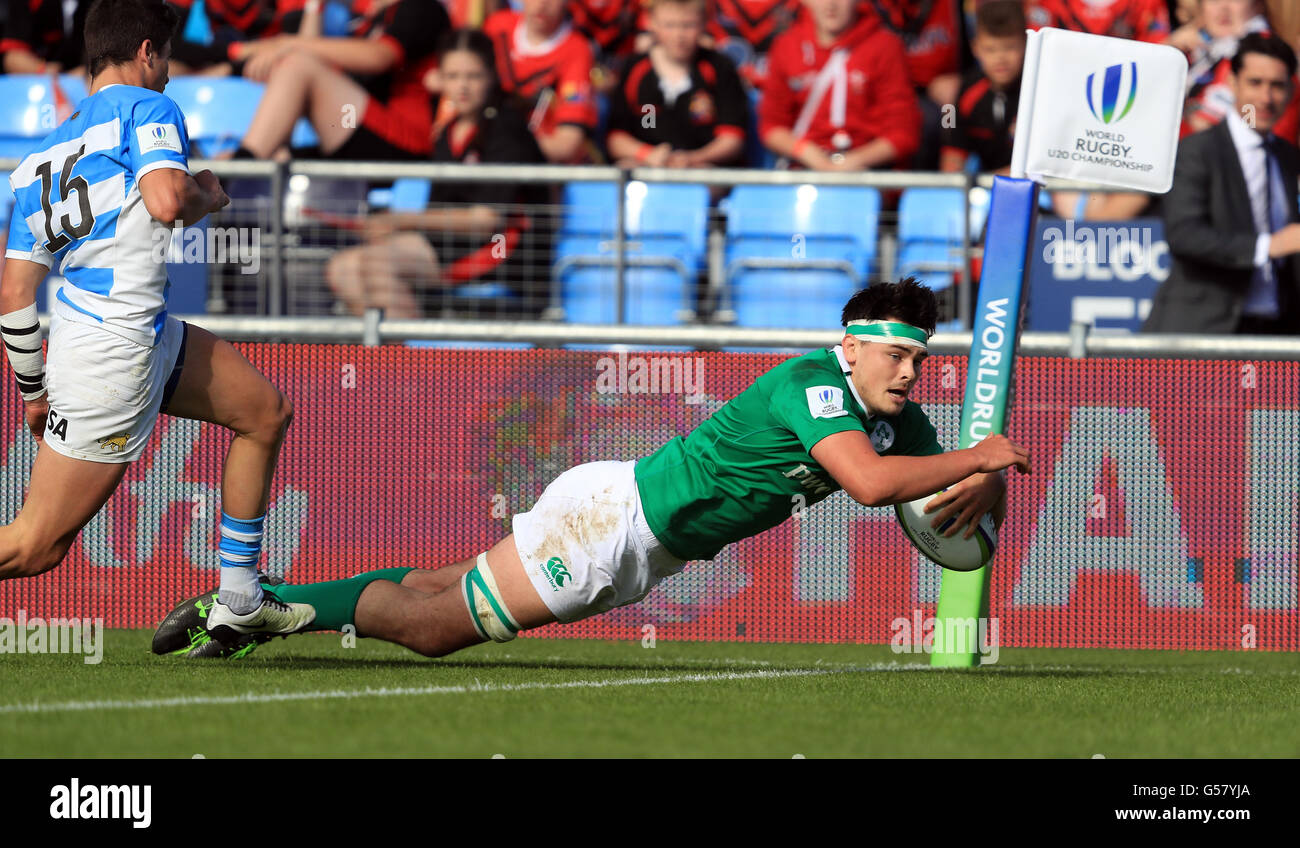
<point x="97" y="200"/>
<point x="604" y="534"/>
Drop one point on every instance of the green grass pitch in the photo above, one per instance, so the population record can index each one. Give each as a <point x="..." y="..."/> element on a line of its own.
<point x="310" y="696"/>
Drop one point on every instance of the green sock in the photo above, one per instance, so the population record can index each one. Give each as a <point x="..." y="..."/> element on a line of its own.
<point x="335" y="600"/>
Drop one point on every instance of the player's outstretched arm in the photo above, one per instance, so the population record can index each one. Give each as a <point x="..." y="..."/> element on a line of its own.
<point x="875" y="480"/>
<point x="172" y="195"/>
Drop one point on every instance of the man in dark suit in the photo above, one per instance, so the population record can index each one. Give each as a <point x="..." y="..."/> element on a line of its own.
<point x="1231" y="216"/>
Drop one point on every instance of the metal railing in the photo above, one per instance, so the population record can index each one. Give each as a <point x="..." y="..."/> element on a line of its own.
<point x="276" y="243"/>
<point x="372" y="329"/>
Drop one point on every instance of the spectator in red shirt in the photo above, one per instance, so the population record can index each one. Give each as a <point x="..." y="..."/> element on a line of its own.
<point x="680" y="105"/>
<point x="932" y="37"/>
<point x="743" y="31"/>
<point x="1144" y="20"/>
<point x="546" y="65"/>
<point x="363" y="95"/>
<point x="471" y="232"/>
<point x="837" y="96"/>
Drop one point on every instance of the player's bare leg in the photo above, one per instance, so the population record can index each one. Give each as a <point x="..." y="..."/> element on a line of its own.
<point x="218" y="385"/>
<point x="438" y="624"/>
<point x="62" y="496"/>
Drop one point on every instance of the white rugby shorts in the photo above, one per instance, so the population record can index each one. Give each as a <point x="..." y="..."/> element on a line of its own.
<point x="105" y="391"/>
<point x="586" y="546"/>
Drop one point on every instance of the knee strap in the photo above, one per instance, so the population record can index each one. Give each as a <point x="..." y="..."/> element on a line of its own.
<point x="486" y="607"/>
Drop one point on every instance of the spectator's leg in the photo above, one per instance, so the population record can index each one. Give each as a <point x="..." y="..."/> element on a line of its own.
<point x="303" y="85"/>
<point x="343" y="273"/>
<point x="385" y="275"/>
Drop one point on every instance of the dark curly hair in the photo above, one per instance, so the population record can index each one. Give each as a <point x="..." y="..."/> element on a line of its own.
<point x="906" y="300"/>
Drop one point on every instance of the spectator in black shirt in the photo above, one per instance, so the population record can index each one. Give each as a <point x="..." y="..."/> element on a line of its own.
<point x="42" y="36"/>
<point x="471" y="232"/>
<point x="680" y="105"/>
<point x="985" y="122"/>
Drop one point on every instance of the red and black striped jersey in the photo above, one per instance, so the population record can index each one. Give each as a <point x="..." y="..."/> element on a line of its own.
<point x="1144" y="20"/>
<point x="743" y="30"/>
<point x="610" y="25"/>
<point x="552" y="79"/>
<point x="412" y="29"/>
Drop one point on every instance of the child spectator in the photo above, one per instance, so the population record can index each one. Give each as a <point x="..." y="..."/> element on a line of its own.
<point x="364" y="95"/>
<point x="985" y="123"/>
<point x="837" y="95"/>
<point x="546" y="66"/>
<point x="680" y="105"/>
<point x="472" y="232"/>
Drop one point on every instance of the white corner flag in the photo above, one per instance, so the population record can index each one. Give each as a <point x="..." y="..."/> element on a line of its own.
<point x="1099" y="110"/>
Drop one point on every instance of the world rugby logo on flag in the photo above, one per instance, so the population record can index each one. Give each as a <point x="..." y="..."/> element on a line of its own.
<point x="1122" y="134"/>
<point x="1104" y="92"/>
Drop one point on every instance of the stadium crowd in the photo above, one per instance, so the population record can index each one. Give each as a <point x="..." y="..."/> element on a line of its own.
<point x="834" y="85"/>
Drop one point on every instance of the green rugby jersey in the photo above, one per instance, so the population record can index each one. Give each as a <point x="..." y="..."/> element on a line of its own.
<point x="738" y="473"/>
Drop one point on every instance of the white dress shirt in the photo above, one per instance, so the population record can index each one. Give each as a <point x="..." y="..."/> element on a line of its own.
<point x="1261" y="300"/>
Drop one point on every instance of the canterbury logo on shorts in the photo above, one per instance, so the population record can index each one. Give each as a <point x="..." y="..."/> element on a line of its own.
<point x="557" y="574"/>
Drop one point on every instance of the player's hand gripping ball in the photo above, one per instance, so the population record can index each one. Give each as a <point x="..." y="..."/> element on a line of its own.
<point x="955" y="552"/>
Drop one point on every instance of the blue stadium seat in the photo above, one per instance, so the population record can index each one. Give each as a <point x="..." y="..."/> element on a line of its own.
<point x="74" y="87"/>
<point x="930" y="235"/>
<point x="795" y="253"/>
<point x="26" y="113"/>
<point x="667" y="237"/>
<point x="217" y="110"/>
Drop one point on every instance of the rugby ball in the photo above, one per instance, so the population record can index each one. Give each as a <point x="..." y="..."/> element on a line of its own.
<point x="954" y="552"/>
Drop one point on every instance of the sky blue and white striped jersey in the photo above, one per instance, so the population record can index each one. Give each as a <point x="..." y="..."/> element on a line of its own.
<point x="78" y="208"/>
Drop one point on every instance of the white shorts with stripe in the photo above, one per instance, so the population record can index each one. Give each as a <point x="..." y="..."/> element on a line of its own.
<point x="586" y="546"/>
<point x="105" y="391"/>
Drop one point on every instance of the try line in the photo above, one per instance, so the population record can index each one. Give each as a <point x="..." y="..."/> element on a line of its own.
<point x="415" y="691"/>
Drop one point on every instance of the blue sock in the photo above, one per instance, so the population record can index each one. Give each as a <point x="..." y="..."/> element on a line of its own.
<point x="241" y="548"/>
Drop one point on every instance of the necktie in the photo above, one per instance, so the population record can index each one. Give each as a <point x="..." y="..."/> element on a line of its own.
<point x="1278" y="215"/>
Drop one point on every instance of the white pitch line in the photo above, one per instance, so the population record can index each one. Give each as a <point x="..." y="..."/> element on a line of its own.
<point x="385" y="692"/>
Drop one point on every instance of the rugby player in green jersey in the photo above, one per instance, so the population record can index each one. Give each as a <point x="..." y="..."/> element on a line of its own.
<point x="604" y="534"/>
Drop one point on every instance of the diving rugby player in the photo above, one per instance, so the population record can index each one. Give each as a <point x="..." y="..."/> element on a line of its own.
<point x="603" y="534"/>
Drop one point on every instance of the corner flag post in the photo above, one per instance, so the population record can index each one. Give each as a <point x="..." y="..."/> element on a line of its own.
<point x="1083" y="117"/>
<point x="963" y="595"/>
